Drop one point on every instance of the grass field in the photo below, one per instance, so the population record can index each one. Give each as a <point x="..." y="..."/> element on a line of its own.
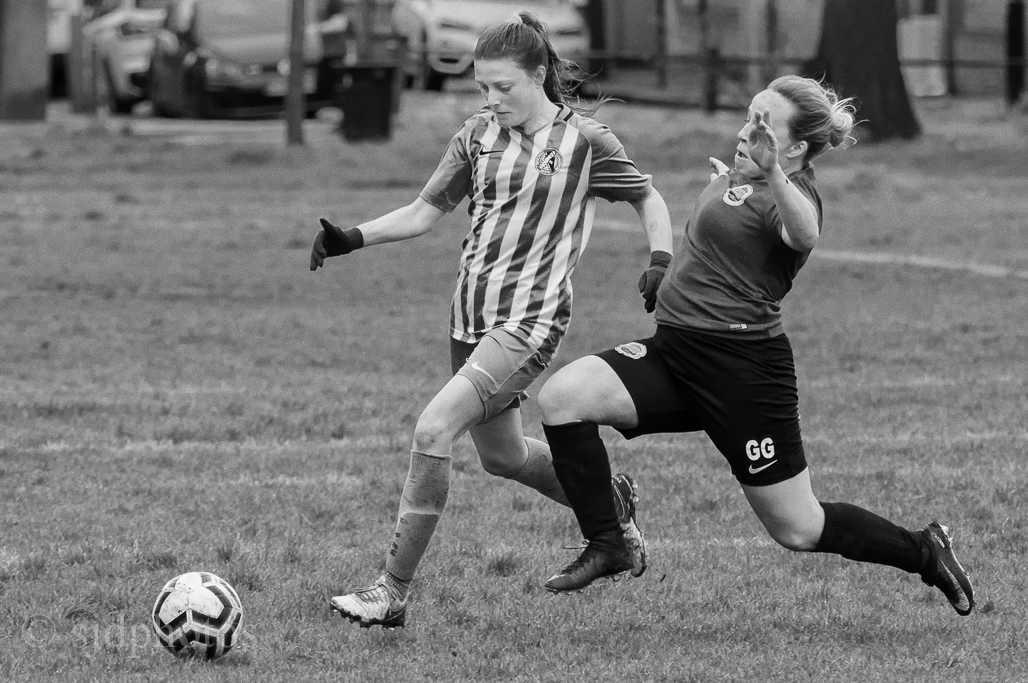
<point x="178" y="392"/>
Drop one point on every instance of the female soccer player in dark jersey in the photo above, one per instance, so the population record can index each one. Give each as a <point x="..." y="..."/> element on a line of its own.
<point x="532" y="167"/>
<point x="720" y="361"/>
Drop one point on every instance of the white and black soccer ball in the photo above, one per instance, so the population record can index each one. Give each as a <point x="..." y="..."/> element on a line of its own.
<point x="198" y="614"/>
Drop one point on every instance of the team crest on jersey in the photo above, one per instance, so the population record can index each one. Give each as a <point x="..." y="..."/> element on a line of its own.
<point x="633" y="350"/>
<point x="735" y="196"/>
<point x="549" y="161"/>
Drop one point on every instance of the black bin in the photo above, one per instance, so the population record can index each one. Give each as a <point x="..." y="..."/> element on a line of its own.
<point x="365" y="94"/>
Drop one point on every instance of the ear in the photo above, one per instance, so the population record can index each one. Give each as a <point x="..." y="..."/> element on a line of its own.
<point x="798" y="150"/>
<point x="539" y="75"/>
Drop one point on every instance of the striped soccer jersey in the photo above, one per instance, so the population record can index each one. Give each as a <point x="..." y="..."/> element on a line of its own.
<point x="531" y="205"/>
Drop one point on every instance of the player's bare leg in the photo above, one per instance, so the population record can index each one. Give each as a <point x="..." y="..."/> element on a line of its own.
<point x="506" y="452"/>
<point x="384" y="603"/>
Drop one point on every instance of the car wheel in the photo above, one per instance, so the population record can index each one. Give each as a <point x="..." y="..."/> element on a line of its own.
<point x="117" y="105"/>
<point x="434" y="80"/>
<point x="197" y="102"/>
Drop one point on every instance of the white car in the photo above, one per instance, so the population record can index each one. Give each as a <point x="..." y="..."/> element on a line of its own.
<point x="121" y="36"/>
<point x="441" y="34"/>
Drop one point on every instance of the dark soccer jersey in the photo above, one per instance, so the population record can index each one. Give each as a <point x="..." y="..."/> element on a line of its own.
<point x="733" y="269"/>
<point x="532" y="203"/>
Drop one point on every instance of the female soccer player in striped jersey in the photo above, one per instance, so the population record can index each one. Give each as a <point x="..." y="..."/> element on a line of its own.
<point x="532" y="167"/>
<point x="720" y="361"/>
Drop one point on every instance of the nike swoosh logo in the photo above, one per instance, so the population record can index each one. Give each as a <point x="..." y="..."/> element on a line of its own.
<point x="754" y="470"/>
<point x="476" y="366"/>
<point x="485" y="152"/>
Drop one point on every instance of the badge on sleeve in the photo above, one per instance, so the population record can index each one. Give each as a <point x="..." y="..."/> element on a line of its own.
<point x="735" y="196"/>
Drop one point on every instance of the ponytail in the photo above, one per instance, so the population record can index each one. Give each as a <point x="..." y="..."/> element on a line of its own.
<point x="560" y="73"/>
<point x="843" y="121"/>
<point x="822" y="119"/>
<point x="524" y="40"/>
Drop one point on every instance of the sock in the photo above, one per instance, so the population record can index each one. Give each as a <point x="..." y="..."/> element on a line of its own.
<point x="398" y="588"/>
<point x="583" y="470"/>
<point x="863" y="536"/>
<point x="537" y="472"/>
<point x="421" y="505"/>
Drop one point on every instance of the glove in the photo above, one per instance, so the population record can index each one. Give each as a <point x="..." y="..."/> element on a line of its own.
<point x="651" y="279"/>
<point x="332" y="240"/>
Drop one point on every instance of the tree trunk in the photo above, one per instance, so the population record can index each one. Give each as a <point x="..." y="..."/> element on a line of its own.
<point x="859" y="56"/>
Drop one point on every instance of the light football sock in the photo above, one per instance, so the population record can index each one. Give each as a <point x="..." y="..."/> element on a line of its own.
<point x="421" y="505"/>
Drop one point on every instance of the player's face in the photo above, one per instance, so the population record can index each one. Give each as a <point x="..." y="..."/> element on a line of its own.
<point x="781" y="111"/>
<point x="511" y="92"/>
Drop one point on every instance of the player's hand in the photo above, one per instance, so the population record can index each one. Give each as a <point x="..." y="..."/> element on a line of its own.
<point x="332" y="240"/>
<point x="652" y="277"/>
<point x="761" y="142"/>
<point x="717" y="168"/>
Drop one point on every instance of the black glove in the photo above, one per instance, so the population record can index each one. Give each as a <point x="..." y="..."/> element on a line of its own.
<point x="650" y="280"/>
<point x="332" y="240"/>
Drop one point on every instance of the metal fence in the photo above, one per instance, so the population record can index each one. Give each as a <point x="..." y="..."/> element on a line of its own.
<point x="716" y="81"/>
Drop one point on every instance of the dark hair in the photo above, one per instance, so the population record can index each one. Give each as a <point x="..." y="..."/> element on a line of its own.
<point x="822" y="120"/>
<point x="524" y="40"/>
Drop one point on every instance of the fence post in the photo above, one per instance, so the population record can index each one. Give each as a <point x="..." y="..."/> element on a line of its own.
<point x="952" y="20"/>
<point x="661" y="54"/>
<point x="296" y="99"/>
<point x="711" y="56"/>
<point x="76" y="69"/>
<point x="773" y="48"/>
<point x="99" y="90"/>
<point x="1015" y="50"/>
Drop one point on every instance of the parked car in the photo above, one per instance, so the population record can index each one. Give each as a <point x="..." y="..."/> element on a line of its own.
<point x="120" y="35"/>
<point x="230" y="58"/>
<point x="441" y="34"/>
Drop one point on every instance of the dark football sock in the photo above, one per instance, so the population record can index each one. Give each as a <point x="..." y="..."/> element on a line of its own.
<point x="863" y="536"/>
<point x="583" y="470"/>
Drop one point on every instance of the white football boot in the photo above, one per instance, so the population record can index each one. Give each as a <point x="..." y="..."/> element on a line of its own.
<point x="372" y="606"/>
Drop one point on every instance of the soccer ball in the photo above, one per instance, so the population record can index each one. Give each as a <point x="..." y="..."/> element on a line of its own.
<point x="198" y="614"/>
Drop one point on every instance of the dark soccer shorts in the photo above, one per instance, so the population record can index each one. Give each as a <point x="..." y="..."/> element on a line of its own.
<point x="741" y="392"/>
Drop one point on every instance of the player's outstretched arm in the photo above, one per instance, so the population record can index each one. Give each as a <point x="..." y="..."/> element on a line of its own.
<point x="332" y="240"/>
<point x="656" y="222"/>
<point x="408" y="221"/>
